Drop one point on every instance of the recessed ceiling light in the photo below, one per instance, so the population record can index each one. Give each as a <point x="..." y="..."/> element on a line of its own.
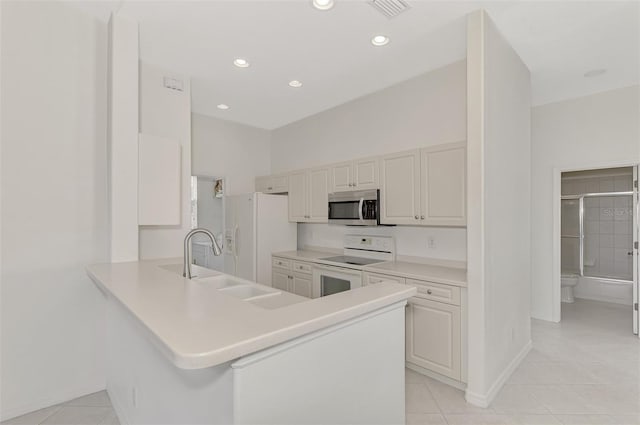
<point x="595" y="72"/>
<point x="379" y="40"/>
<point x="322" y="4"/>
<point x="223" y="106"/>
<point x="295" y="84"/>
<point x="241" y="63"/>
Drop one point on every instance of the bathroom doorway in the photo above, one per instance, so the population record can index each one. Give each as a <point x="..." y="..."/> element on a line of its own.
<point x="207" y="211"/>
<point x="599" y="237"/>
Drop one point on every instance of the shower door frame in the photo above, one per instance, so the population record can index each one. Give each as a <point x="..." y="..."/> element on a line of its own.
<point x="580" y="199"/>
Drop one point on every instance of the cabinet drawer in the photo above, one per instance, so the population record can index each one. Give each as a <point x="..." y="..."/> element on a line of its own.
<point x="436" y="292"/>
<point x="301" y="267"/>
<point x="281" y="263"/>
<point x="373" y="278"/>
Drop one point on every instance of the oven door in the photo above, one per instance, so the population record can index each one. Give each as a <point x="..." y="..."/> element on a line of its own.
<point x="358" y="208"/>
<point x="329" y="280"/>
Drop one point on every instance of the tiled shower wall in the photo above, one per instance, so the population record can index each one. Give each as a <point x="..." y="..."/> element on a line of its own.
<point x="607" y="225"/>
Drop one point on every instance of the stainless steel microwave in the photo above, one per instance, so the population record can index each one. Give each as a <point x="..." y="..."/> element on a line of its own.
<point x="357" y="208"/>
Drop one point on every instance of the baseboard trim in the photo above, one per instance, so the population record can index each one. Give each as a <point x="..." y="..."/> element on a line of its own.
<point x="444" y="379"/>
<point x="43" y="403"/>
<point x="484" y="400"/>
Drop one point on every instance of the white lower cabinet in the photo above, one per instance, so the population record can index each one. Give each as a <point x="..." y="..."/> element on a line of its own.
<point x="433" y="337"/>
<point x="280" y="279"/>
<point x="292" y="276"/>
<point x="373" y="278"/>
<point x="301" y="284"/>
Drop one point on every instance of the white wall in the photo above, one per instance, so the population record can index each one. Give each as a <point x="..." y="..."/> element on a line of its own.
<point x="499" y="264"/>
<point x="166" y="113"/>
<point x="238" y="153"/>
<point x="423" y="111"/>
<point x="54" y="204"/>
<point x="427" y="110"/>
<point x="589" y="132"/>
<point x="211" y="217"/>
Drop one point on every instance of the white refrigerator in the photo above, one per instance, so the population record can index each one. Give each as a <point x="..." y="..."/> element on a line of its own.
<point x="256" y="225"/>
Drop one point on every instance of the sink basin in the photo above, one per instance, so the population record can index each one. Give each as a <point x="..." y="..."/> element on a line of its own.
<point x="221" y="281"/>
<point x="246" y="292"/>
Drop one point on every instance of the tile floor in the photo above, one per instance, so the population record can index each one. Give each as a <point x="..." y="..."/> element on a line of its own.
<point x="584" y="370"/>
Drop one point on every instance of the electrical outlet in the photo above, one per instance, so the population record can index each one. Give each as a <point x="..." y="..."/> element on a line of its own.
<point x="431" y="242"/>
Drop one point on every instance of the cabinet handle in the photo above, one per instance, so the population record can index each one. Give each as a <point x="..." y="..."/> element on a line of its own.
<point x="269" y="188"/>
<point x="429" y="291"/>
<point x="416" y="217"/>
<point x="421" y="217"/>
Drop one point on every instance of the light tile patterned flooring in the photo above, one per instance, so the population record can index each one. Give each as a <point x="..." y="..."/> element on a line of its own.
<point x="584" y="370"/>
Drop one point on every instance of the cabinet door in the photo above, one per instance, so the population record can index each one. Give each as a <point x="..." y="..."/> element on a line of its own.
<point x="342" y="177"/>
<point x="298" y="196"/>
<point x="280" y="280"/>
<point x="280" y="184"/>
<point x="302" y="284"/>
<point x="400" y="188"/>
<point x="263" y="183"/>
<point x="443" y="185"/>
<point x="433" y="336"/>
<point x="318" y="209"/>
<point x="366" y="173"/>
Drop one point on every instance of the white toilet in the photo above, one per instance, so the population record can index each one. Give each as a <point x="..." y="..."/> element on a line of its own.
<point x="567" y="282"/>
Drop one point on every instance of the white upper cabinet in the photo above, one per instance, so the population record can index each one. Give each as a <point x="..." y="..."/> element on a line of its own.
<point x="159" y="177"/>
<point x="366" y="173"/>
<point x="354" y="175"/>
<point x="318" y="209"/>
<point x="425" y="187"/>
<point x="309" y="196"/>
<point x="342" y="177"/>
<point x="298" y="196"/>
<point x="273" y="184"/>
<point x="443" y="185"/>
<point x="400" y="188"/>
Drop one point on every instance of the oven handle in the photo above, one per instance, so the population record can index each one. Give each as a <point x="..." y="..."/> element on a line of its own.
<point x="337" y="269"/>
<point x="360" y="205"/>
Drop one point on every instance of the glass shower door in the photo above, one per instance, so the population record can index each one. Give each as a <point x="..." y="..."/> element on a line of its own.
<point x="571" y="236"/>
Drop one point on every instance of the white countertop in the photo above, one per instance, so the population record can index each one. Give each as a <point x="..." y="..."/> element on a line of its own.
<point x="197" y="326"/>
<point x="412" y="270"/>
<point x="432" y="273"/>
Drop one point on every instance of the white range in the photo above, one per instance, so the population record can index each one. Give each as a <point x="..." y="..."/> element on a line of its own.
<point x="343" y="272"/>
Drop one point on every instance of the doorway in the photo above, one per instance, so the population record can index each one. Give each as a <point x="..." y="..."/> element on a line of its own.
<point x="599" y="237"/>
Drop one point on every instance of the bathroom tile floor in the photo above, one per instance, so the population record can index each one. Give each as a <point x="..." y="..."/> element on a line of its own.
<point x="584" y="370"/>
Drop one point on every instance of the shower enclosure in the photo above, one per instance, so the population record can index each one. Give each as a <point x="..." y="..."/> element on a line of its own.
<point x="596" y="235"/>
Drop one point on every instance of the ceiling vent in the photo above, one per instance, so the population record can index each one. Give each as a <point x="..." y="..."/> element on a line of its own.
<point x="390" y="8"/>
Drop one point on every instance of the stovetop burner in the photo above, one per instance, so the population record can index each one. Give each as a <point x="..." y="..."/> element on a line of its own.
<point x="357" y="261"/>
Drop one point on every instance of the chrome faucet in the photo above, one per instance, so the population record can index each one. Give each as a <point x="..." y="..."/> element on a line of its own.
<point x="187" y="249"/>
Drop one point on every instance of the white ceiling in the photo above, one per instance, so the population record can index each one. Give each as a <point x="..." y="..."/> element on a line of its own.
<point x="330" y="52"/>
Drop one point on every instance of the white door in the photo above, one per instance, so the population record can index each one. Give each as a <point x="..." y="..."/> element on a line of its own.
<point x="342" y="177"/>
<point x="635" y="252"/>
<point x="280" y="280"/>
<point x="302" y="284"/>
<point x="443" y="182"/>
<point x="400" y="188"/>
<point x="298" y="196"/>
<point x="318" y="195"/>
<point x="366" y="174"/>
<point x="433" y="336"/>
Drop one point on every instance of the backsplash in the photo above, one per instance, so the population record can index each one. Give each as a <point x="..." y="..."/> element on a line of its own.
<point x="447" y="243"/>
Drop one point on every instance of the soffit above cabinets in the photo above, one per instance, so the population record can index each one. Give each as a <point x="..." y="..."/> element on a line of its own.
<point x="331" y="54"/>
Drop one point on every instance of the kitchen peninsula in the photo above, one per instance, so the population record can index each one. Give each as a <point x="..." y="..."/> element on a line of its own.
<point x="219" y="349"/>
